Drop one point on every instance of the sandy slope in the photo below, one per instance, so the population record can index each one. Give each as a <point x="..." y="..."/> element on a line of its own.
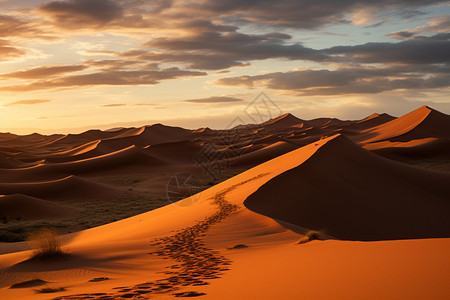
<point x="196" y="240"/>
<point x="423" y="122"/>
<point x="353" y="194"/>
<point x="22" y="206"/>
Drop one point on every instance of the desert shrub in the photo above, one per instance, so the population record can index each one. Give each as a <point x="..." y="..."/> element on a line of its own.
<point x="46" y="290"/>
<point x="28" y="283"/>
<point x="45" y="244"/>
<point x="309" y="236"/>
<point x="324" y="137"/>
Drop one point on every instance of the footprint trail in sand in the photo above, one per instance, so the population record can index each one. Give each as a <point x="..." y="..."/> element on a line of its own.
<point x="196" y="264"/>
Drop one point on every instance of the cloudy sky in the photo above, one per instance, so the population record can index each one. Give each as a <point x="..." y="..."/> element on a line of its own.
<point x="71" y="65"/>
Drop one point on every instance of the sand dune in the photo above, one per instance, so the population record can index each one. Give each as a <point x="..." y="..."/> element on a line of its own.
<point x="71" y="187"/>
<point x="421" y="123"/>
<point x="264" y="154"/>
<point x="179" y="152"/>
<point x="6" y="163"/>
<point x="372" y="120"/>
<point x="131" y="159"/>
<point x="283" y="121"/>
<point x="413" y="150"/>
<point x="21" y="206"/>
<point x="353" y="194"/>
<point x="238" y="239"/>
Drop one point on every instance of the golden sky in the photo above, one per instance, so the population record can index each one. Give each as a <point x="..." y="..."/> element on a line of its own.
<point x="71" y="65"/>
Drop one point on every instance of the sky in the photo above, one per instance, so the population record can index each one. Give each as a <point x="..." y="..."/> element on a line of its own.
<point x="73" y="65"/>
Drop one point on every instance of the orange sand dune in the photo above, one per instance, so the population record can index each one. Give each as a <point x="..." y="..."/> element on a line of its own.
<point x="372" y="120"/>
<point x="213" y="239"/>
<point x="87" y="136"/>
<point x="71" y="187"/>
<point x="321" y="122"/>
<point x="131" y="159"/>
<point x="153" y="134"/>
<point x="423" y="122"/>
<point x="353" y="194"/>
<point x="18" y="205"/>
<point x="204" y="131"/>
<point x="283" y="121"/>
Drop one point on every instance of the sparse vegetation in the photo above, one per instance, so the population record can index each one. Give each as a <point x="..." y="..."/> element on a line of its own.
<point x="309" y="236"/>
<point x="239" y="246"/>
<point x="95" y="213"/>
<point x="324" y="137"/>
<point x="28" y="283"/>
<point x="47" y="290"/>
<point x="45" y="244"/>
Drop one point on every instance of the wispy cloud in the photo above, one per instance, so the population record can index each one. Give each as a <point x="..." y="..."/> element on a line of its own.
<point x="27" y="102"/>
<point x="44" y="72"/>
<point x="114" y="78"/>
<point x="114" y="105"/>
<point x="216" y="99"/>
<point x="356" y="80"/>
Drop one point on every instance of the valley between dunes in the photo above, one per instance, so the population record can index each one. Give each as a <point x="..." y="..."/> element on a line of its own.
<point x="371" y="187"/>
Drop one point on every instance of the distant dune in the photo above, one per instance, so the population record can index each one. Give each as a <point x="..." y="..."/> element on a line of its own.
<point x="235" y="237"/>
<point x="21" y="206"/>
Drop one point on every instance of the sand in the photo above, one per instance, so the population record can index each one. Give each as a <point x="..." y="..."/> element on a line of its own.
<point x="385" y="223"/>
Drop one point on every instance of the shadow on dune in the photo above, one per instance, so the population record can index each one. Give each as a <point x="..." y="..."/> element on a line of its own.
<point x="353" y="194"/>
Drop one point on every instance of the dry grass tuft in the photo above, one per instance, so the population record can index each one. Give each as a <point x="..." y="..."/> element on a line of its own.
<point x="45" y="244"/>
<point x="309" y="236"/>
<point x="47" y="290"/>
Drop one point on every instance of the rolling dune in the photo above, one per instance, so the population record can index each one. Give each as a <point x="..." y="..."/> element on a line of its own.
<point x="355" y="195"/>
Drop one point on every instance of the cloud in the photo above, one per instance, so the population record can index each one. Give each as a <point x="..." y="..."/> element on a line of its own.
<point x="114" y="105"/>
<point x="43" y="72"/>
<point x="12" y="26"/>
<point x="113" y="78"/>
<point x="419" y="51"/>
<point x="222" y="50"/>
<point x="437" y="24"/>
<point x="404" y="34"/>
<point x="214" y="99"/>
<point x="81" y="13"/>
<point x="294" y="13"/>
<point x="357" y="80"/>
<point x="8" y="51"/>
<point x="27" y="102"/>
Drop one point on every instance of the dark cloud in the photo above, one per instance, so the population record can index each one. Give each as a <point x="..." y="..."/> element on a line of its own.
<point x="27" y="102"/>
<point x="43" y="72"/>
<point x="216" y="99"/>
<point x="346" y="80"/>
<point x="221" y="50"/>
<point x="299" y="14"/>
<point x="114" y="78"/>
<point x="437" y="24"/>
<point x="424" y="50"/>
<point x="404" y="34"/>
<point x="82" y="13"/>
